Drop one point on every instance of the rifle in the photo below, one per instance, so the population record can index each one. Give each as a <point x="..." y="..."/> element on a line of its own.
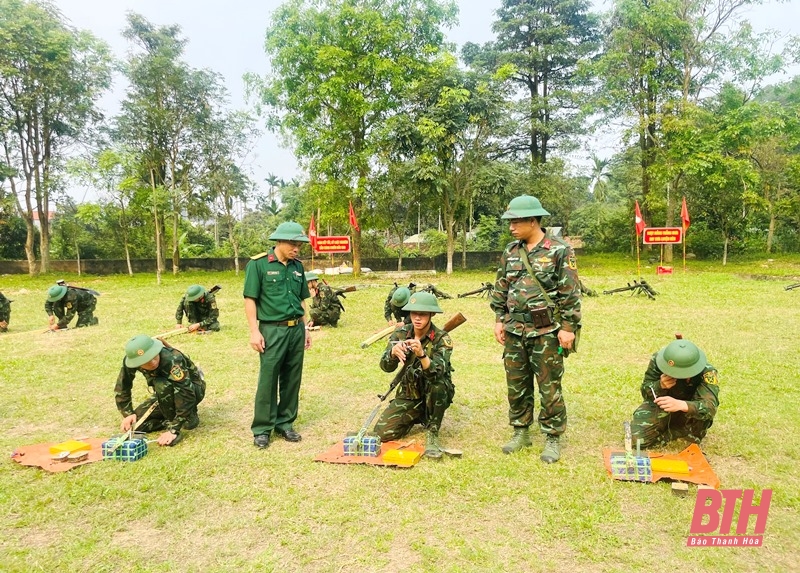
<point x="435" y="291"/>
<point x="454" y="322"/>
<point x="792" y="287"/>
<point x="62" y="282"/>
<point x="485" y="289"/>
<point x="638" y="287"/>
<point x="340" y="292"/>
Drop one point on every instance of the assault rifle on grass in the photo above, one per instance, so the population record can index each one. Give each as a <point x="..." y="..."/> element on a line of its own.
<point x="484" y="291"/>
<point x="429" y="288"/>
<point x="792" y="287"/>
<point x="638" y="287"/>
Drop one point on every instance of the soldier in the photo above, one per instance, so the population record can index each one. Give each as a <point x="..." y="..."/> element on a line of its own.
<point x="393" y="307"/>
<point x="176" y="383"/>
<point x="200" y="308"/>
<point x="681" y="396"/>
<point x="5" y="312"/>
<point x="537" y="305"/>
<point x="275" y="290"/>
<point x="326" y="308"/>
<point x="65" y="301"/>
<point x="426" y="389"/>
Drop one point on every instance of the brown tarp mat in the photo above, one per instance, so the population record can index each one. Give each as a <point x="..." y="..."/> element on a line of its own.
<point x="700" y="471"/>
<point x="335" y="454"/>
<point x="39" y="455"/>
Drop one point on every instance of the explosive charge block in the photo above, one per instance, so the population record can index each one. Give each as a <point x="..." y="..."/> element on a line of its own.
<point x="129" y="451"/>
<point x="366" y="445"/>
<point x="631" y="468"/>
<point x="70" y="446"/>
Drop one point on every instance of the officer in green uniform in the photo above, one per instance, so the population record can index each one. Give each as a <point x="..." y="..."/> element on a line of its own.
<point x="537" y="305"/>
<point x="176" y="383"/>
<point x="426" y="389"/>
<point x="326" y="308"/>
<point x="200" y="308"/>
<point x="393" y="311"/>
<point x="5" y="312"/>
<point x="64" y="302"/>
<point x="275" y="290"/>
<point x="681" y="396"/>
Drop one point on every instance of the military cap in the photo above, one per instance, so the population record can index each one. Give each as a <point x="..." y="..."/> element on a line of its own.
<point x="523" y="207"/>
<point x="423" y="302"/>
<point x="681" y="359"/>
<point x="195" y="292"/>
<point x="141" y="349"/>
<point x="400" y="297"/>
<point x="312" y="277"/>
<point x="56" y="292"/>
<point x="289" y="231"/>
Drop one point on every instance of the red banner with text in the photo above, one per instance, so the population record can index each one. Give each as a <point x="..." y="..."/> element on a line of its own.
<point x="662" y="236"/>
<point x="333" y="244"/>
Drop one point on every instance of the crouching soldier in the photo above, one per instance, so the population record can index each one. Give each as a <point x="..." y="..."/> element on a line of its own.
<point x="5" y="312"/>
<point x="64" y="302"/>
<point x="426" y="389"/>
<point x="176" y="383"/>
<point x="681" y="396"/>
<point x="326" y="308"/>
<point x="200" y="307"/>
<point x="393" y="311"/>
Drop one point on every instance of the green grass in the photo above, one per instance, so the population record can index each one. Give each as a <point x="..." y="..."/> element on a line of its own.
<point x="216" y="503"/>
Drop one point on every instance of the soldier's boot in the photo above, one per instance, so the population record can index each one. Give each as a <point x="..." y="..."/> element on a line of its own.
<point x="193" y="420"/>
<point x="552" y="450"/>
<point x="94" y="322"/>
<point x="432" y="447"/>
<point x="520" y="439"/>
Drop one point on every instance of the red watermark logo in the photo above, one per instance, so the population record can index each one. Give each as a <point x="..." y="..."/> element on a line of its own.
<point x="708" y="505"/>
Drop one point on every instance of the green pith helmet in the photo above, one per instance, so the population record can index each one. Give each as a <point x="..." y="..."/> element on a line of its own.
<point x="681" y="359"/>
<point x="141" y="349"/>
<point x="195" y="292"/>
<point x="423" y="302"/>
<point x="523" y="207"/>
<point x="55" y="293"/>
<point x="311" y="277"/>
<point x="289" y="231"/>
<point x="401" y="296"/>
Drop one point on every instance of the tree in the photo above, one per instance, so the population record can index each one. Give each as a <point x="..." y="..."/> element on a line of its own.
<point x="339" y="70"/>
<point x="50" y="79"/>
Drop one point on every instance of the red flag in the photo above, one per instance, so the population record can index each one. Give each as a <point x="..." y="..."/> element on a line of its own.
<point x="353" y="222"/>
<point x="640" y="224"/>
<point x="685" y="215"/>
<point x="312" y="233"/>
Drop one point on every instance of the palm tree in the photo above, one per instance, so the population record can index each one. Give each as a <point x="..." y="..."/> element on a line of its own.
<point x="600" y="178"/>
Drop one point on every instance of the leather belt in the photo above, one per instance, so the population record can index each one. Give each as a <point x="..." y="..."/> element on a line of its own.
<point x="293" y="322"/>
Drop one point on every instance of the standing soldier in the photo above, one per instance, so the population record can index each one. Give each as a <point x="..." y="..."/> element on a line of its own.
<point x="64" y="302"/>
<point x="275" y="290"/>
<point x="200" y="308"/>
<point x="393" y="307"/>
<point x="326" y="308"/>
<point x="176" y="382"/>
<point x="426" y="389"/>
<point x="5" y="312"/>
<point x="681" y="396"/>
<point x="537" y="305"/>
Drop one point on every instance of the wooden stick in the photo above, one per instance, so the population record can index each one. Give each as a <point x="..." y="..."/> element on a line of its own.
<point x="175" y="332"/>
<point x="377" y="336"/>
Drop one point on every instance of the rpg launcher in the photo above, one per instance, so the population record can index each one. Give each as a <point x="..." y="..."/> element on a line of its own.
<point x="638" y="287"/>
<point x="792" y="287"/>
<point x="484" y="291"/>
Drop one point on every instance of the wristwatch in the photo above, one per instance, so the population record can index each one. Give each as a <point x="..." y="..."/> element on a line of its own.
<point x="173" y="431"/>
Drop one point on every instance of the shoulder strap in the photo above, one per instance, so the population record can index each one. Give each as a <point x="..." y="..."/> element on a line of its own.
<point x="527" y="263"/>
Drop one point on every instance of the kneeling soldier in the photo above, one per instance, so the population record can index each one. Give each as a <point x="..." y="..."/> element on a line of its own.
<point x="426" y="389"/>
<point x="176" y="382"/>
<point x="681" y="396"/>
<point x="63" y="302"/>
<point x="393" y="311"/>
<point x="325" y="305"/>
<point x="5" y="312"/>
<point x="200" y="308"/>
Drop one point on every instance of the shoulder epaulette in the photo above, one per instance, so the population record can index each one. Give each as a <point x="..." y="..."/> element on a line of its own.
<point x="259" y="256"/>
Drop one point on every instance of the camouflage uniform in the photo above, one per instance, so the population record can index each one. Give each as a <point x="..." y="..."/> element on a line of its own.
<point x="325" y="306"/>
<point x="203" y="311"/>
<point x="655" y="427"/>
<point x="423" y="395"/>
<point x="177" y="385"/>
<point x="78" y="301"/>
<point x="5" y="312"/>
<point x="531" y="351"/>
<point x="390" y="311"/>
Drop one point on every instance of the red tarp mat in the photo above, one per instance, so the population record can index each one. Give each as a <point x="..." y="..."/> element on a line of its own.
<point x="39" y="455"/>
<point x="335" y="454"/>
<point x="700" y="471"/>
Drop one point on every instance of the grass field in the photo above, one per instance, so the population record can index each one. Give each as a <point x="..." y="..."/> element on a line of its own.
<point x="216" y="503"/>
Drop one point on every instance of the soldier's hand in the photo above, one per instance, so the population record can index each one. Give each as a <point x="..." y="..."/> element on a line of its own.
<point x="51" y="319"/>
<point x="399" y="351"/>
<point x="308" y="340"/>
<point x="391" y="323"/>
<point x="53" y="326"/>
<point x="670" y="404"/>
<point x="667" y="382"/>
<point x="499" y="333"/>
<point x="166" y="438"/>
<point x="193" y="327"/>
<point x="179" y="325"/>
<point x="257" y="341"/>
<point x="3" y="324"/>
<point x="565" y="339"/>
<point x="127" y="422"/>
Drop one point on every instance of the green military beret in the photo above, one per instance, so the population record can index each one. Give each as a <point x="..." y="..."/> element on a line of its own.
<point x="681" y="359"/>
<point x="195" y="292"/>
<point x="423" y="302"/>
<point x="289" y="231"/>
<point x="523" y="207"/>
<point x="56" y="292"/>
<point x="141" y="349"/>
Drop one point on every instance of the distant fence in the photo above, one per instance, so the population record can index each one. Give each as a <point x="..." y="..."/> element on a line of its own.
<point x="477" y="260"/>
